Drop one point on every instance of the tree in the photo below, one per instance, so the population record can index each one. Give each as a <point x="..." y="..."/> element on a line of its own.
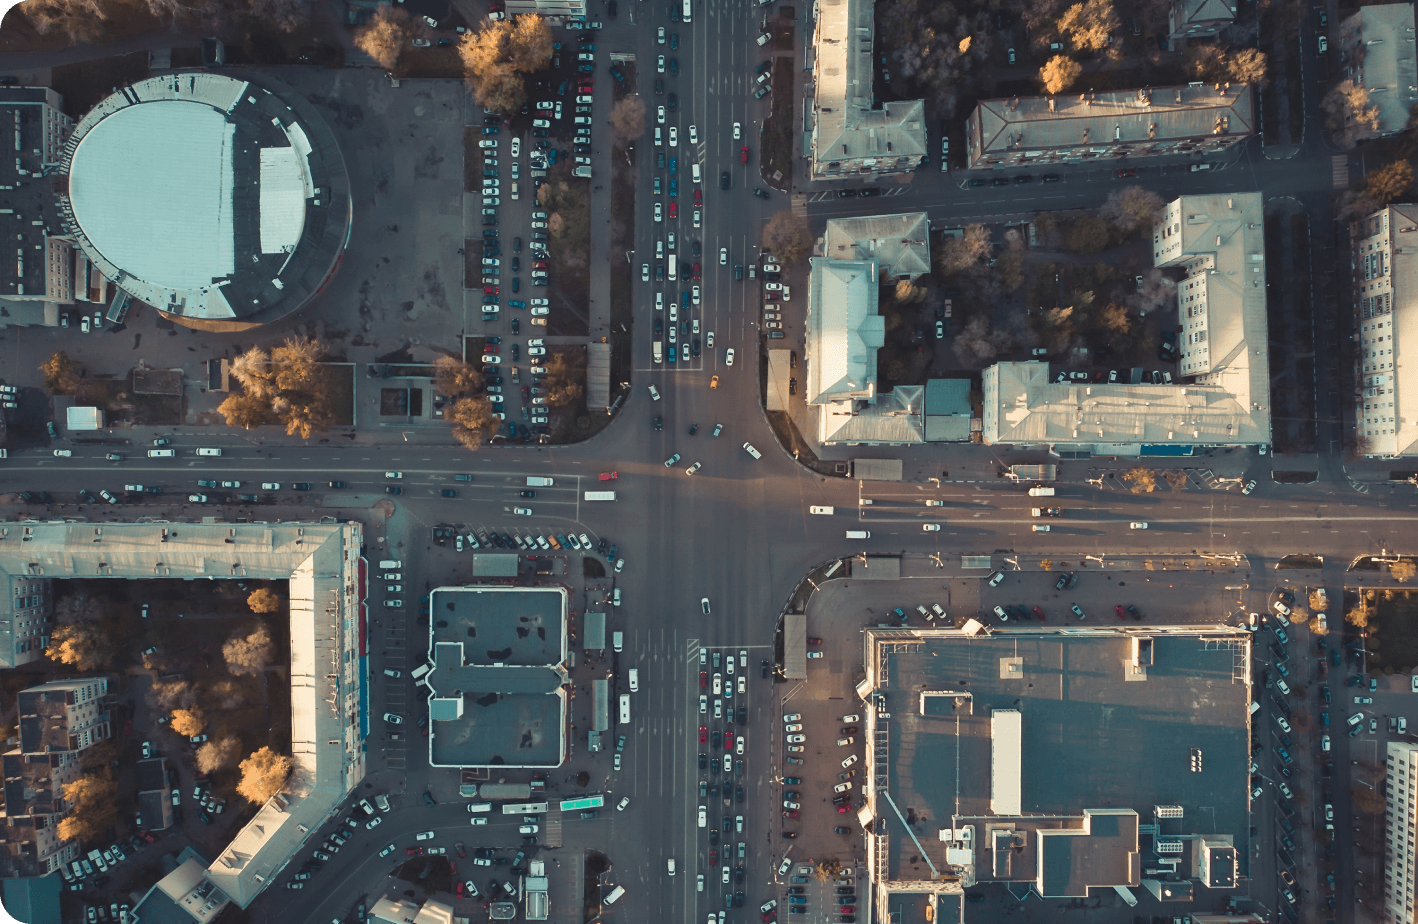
<point x="189" y="722"/>
<point x="1402" y="570"/>
<point x="77" y="608"/>
<point x="168" y="696"/>
<point x="1389" y="183"/>
<point x="1208" y="62"/>
<point x="385" y="37"/>
<point x="250" y="653"/>
<point x="956" y="254"/>
<point x="263" y="774"/>
<point x="263" y="600"/>
<point x="1089" y="234"/>
<point x="562" y="384"/>
<point x="472" y="421"/>
<point x="976" y="341"/>
<point x="1132" y="208"/>
<point x="217" y="755"/>
<point x="93" y="806"/>
<point x="1249" y="65"/>
<point x="1368" y="801"/>
<point x="496" y="56"/>
<point x="1143" y="480"/>
<point x="628" y="119"/>
<point x="908" y="293"/>
<point x="826" y="869"/>
<point x="61" y="374"/>
<point x="286" y="386"/>
<point x="1059" y="73"/>
<point x="286" y="15"/>
<point x="1350" y="114"/>
<point x="455" y="378"/>
<point x="1010" y="270"/>
<point x="1115" y="320"/>
<point x="786" y="237"/>
<point x="83" y="646"/>
<point x="1089" y="23"/>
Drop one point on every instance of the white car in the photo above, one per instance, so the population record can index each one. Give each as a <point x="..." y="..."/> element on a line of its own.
<point x="516" y="146"/>
<point x="703" y="817"/>
<point x="738" y="131"/>
<point x="1139" y="524"/>
<point x="793" y="717"/>
<point x="660" y="64"/>
<point x="393" y="718"/>
<point x="729" y="356"/>
<point x="696" y="218"/>
<point x="660" y="36"/>
<point x="373" y="823"/>
<point x="393" y="474"/>
<point x="624" y="801"/>
<point x="930" y="527"/>
<point x="710" y="341"/>
<point x="693" y="135"/>
<point x="797" y="739"/>
<point x="674" y="137"/>
<point x="424" y="836"/>
<point x="522" y="511"/>
<point x="64" y="453"/>
<point x="723" y="256"/>
<point x="644" y="272"/>
<point x="270" y="486"/>
<point x="703" y="704"/>
<point x="659" y="216"/>
<point x="792" y="728"/>
<point x="660" y="113"/>
<point x="694" y="296"/>
<point x="773" y="287"/>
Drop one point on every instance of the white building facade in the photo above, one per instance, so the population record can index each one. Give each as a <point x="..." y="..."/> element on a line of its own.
<point x="1400" y="818"/>
<point x="1384" y="263"/>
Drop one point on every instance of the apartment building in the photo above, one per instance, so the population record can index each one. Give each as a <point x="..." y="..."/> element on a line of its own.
<point x="41" y="269"/>
<point x="1400" y="857"/>
<point x="1194" y="19"/>
<point x="851" y="139"/>
<point x="1376" y="50"/>
<point x="1384" y="264"/>
<point x="26" y="619"/>
<point x="57" y="722"/>
<point x="1036" y="131"/>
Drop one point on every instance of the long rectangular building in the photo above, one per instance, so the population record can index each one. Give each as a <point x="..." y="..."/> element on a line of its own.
<point x="1077" y="128"/>
<point x="1384" y="264"/>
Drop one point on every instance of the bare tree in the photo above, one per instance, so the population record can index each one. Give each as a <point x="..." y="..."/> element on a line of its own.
<point x="1132" y="208"/>
<point x="456" y="378"/>
<point x="286" y="15"/>
<point x="249" y="653"/>
<point x="1389" y="183"/>
<point x="1059" y="73"/>
<point x="786" y="236"/>
<point x="628" y="119"/>
<point x="263" y="774"/>
<point x="1250" y="65"/>
<point x="1350" y="114"/>
<point x="472" y="420"/>
<point x="217" y="755"/>
<point x="496" y="57"/>
<point x="957" y="254"/>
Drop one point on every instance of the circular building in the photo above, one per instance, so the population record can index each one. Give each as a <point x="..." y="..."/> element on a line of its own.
<point x="222" y="202"/>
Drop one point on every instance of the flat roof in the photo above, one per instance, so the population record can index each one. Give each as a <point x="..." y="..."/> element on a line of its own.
<point x="497" y="694"/>
<point x="1069" y="727"/>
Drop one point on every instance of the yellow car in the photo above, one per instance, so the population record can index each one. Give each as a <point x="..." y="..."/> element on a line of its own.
<point x="714" y="382"/>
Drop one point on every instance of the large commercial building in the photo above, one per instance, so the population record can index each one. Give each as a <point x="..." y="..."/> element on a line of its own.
<point x="1055" y="764"/>
<point x="900" y="244"/>
<point x="40" y="265"/>
<point x="1385" y="294"/>
<point x="221" y="202"/>
<point x="1223" y="397"/>
<point x="58" y="721"/>
<point x="1037" y="131"/>
<point x="498" y="690"/>
<point x="1376" y="47"/>
<point x="560" y="9"/>
<point x="851" y="139"/>
<point x="325" y="573"/>
<point x="1400" y="858"/>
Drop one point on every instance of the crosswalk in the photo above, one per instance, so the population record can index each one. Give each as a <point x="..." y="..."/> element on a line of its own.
<point x="826" y="194"/>
<point x="1339" y="165"/>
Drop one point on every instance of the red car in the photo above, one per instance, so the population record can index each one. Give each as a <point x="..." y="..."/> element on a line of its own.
<point x="1119" y="610"/>
<point x="696" y="272"/>
<point x="539" y="264"/>
<point x="1040" y="613"/>
<point x="1131" y="171"/>
<point x="843" y="809"/>
<point x="674" y="209"/>
<point x="698" y="198"/>
<point x="713" y="858"/>
<point x="846" y="909"/>
<point x="703" y="679"/>
<point x="458" y="889"/>
<point x="413" y="851"/>
<point x="789" y="814"/>
<point x="491" y="348"/>
<point x="491" y="290"/>
<point x="814" y="641"/>
<point x="770" y="916"/>
<point x="771" y="296"/>
<point x="148" y="836"/>
<point x="609" y="476"/>
<point x="728" y="740"/>
<point x="703" y="733"/>
<point x="743" y="154"/>
<point x="127" y="726"/>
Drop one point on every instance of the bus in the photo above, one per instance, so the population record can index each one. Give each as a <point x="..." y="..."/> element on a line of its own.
<point x="587" y="802"/>
<point x="604" y="495"/>
<point x="524" y="808"/>
<point x="686" y="11"/>
<point x="674" y="264"/>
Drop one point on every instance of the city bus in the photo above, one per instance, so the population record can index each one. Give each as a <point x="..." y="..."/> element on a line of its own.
<point x="524" y="808"/>
<point x="587" y="802"/>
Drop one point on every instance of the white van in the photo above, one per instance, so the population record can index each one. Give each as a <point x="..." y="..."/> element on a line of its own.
<point x="634" y="680"/>
<point x="694" y="172"/>
<point x="821" y="511"/>
<point x="537" y="482"/>
<point x="617" y="640"/>
<point x="418" y="672"/>
<point x="479" y="807"/>
<point x="625" y="708"/>
<point x="616" y="893"/>
<point x="748" y="448"/>
<point x="209" y="452"/>
<point x="161" y="453"/>
<point x="391" y="563"/>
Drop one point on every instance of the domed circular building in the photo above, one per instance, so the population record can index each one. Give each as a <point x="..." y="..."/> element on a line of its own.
<point x="221" y="201"/>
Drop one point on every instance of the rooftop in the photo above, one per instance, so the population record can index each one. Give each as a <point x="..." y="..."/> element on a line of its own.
<point x="1380" y="41"/>
<point x="1094" y="119"/>
<point x="1060" y="743"/>
<point x="846" y="126"/>
<point x="844" y="330"/>
<point x="496" y="688"/>
<point x="900" y="244"/>
<point x="27" y="213"/>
